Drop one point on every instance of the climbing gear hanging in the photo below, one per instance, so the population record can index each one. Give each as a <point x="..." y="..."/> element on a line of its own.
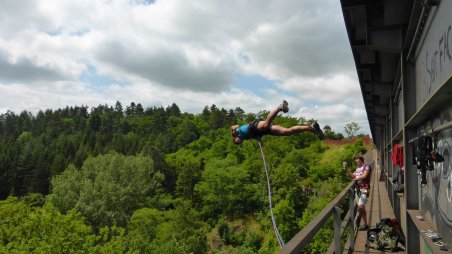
<point x="425" y="154"/>
<point x="275" y="228"/>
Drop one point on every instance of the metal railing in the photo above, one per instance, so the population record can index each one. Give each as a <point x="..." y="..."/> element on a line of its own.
<point x="302" y="238"/>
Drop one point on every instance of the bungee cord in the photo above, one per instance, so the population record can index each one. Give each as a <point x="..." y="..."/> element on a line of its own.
<point x="275" y="228"/>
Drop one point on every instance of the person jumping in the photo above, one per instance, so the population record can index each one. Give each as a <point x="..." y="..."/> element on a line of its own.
<point x="258" y="128"/>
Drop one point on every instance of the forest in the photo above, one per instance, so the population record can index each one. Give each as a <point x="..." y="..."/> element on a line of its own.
<point x="109" y="179"/>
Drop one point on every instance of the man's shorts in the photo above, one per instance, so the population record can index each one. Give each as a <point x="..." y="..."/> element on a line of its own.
<point x="259" y="133"/>
<point x="362" y="198"/>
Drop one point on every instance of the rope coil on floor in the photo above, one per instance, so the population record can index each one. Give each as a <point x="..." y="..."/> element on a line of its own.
<point x="275" y="228"/>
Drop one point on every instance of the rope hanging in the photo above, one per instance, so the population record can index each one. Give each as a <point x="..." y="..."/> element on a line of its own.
<point x="275" y="228"/>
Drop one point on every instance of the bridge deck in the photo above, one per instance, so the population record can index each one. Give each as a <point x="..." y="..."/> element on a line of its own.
<point x="378" y="206"/>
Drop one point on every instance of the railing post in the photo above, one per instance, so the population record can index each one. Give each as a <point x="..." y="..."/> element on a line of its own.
<point x="352" y="218"/>
<point x="302" y="238"/>
<point x="337" y="230"/>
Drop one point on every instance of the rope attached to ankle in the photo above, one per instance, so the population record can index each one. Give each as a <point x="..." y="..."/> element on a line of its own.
<point x="275" y="228"/>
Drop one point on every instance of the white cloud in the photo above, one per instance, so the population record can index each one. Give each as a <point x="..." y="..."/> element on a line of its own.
<point x="187" y="52"/>
<point x="20" y="97"/>
<point x="337" y="116"/>
<point x="325" y="90"/>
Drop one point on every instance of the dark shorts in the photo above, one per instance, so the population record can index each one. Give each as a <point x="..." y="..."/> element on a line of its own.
<point x="255" y="132"/>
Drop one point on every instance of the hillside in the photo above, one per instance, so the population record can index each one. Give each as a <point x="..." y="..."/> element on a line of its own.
<point x="157" y="180"/>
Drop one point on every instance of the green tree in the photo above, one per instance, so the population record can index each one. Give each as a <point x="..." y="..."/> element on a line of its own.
<point x="173" y="110"/>
<point x="188" y="169"/>
<point x="286" y="185"/>
<point x="182" y="232"/>
<point x="109" y="188"/>
<point x="139" y="109"/>
<point x="351" y="129"/>
<point x="32" y="229"/>
<point x="185" y="133"/>
<point x="286" y="220"/>
<point x="66" y="189"/>
<point x="130" y="110"/>
<point x="142" y="229"/>
<point x="216" y="117"/>
<point x="225" y="190"/>
<point x="118" y="107"/>
<point x="334" y="136"/>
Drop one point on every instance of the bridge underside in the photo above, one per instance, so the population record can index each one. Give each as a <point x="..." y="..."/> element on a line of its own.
<point x="377" y="31"/>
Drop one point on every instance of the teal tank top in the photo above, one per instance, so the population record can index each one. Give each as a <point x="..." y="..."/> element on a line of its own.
<point x="243" y="132"/>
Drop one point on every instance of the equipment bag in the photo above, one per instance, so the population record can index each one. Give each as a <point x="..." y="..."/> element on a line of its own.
<point x="386" y="236"/>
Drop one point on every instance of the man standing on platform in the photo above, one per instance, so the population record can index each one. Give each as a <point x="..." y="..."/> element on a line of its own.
<point x="361" y="176"/>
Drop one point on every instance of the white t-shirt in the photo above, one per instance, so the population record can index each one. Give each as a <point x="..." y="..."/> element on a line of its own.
<point x="360" y="171"/>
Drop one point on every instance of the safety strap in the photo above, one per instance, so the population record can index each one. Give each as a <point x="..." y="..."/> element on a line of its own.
<point x="275" y="228"/>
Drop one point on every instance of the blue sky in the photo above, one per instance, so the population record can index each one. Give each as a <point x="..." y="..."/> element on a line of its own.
<point x="255" y="83"/>
<point x="97" y="80"/>
<point x="235" y="53"/>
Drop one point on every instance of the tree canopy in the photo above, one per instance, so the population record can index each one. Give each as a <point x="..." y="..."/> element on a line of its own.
<point x="157" y="180"/>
